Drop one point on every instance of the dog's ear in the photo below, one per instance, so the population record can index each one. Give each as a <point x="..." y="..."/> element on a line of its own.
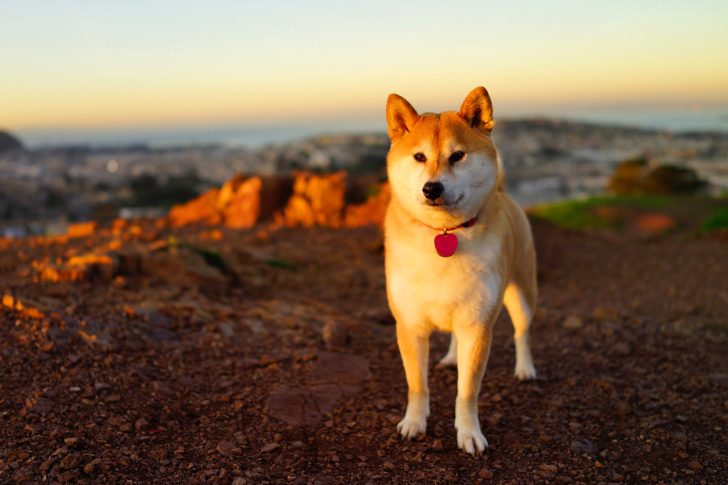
<point x="477" y="110"/>
<point x="401" y="116"/>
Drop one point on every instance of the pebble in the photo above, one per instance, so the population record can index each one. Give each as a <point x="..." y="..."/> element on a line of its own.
<point x="485" y="474"/>
<point x="335" y="334"/>
<point x="270" y="447"/>
<point x="573" y="323"/>
<point x="71" y="461"/>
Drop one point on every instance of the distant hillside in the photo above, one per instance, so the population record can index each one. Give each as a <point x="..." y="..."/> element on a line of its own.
<point x="9" y="142"/>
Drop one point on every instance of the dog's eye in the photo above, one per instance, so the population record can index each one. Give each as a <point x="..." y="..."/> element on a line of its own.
<point x="456" y="156"/>
<point x="420" y="157"/>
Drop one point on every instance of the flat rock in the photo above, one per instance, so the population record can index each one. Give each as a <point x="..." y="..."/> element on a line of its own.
<point x="303" y="406"/>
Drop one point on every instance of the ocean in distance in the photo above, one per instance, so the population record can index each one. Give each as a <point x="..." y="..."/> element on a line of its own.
<point x="255" y="137"/>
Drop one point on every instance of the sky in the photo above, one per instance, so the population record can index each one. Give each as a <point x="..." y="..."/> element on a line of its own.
<point x="113" y="64"/>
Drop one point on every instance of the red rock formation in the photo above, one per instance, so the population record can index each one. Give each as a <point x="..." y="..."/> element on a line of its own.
<point x="316" y="200"/>
<point x="82" y="229"/>
<point x="201" y="209"/>
<point x="371" y="211"/>
<point x="239" y="203"/>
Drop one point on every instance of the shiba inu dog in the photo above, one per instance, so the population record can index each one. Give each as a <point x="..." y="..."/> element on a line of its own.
<point x="456" y="248"/>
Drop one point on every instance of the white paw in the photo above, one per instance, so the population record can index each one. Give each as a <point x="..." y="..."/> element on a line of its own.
<point x="448" y="361"/>
<point x="525" y="372"/>
<point x="471" y="440"/>
<point x="412" y="428"/>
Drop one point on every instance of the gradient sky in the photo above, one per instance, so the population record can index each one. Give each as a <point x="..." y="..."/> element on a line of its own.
<point x="159" y="63"/>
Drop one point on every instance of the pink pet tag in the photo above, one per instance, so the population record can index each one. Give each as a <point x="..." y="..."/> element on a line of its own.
<point x="446" y="244"/>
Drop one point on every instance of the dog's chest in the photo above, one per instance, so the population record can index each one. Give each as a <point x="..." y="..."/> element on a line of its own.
<point x="431" y="291"/>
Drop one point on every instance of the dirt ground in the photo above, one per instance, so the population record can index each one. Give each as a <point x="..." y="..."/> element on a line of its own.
<point x="282" y="366"/>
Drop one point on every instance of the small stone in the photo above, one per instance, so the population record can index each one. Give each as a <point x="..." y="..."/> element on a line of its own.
<point x="101" y="386"/>
<point x="72" y="441"/>
<point x="270" y="447"/>
<point x="682" y="454"/>
<point x="22" y="475"/>
<point x="561" y="479"/>
<point x="88" y="469"/>
<point x="240" y="481"/>
<point x="74" y="389"/>
<point x="389" y="465"/>
<point x="141" y="425"/>
<point x="485" y="474"/>
<point x="162" y="389"/>
<point x="66" y="476"/>
<point x="617" y="477"/>
<point x="268" y="359"/>
<point x="71" y="461"/>
<point x="437" y="445"/>
<point x="549" y="468"/>
<point x="695" y="465"/>
<point x="545" y="474"/>
<point x="125" y="428"/>
<point x="573" y="323"/>
<point x="335" y="334"/>
<point x="496" y="398"/>
<point x="224" y="448"/>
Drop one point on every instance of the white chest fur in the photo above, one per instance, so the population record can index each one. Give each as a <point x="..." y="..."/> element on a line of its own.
<point x="432" y="292"/>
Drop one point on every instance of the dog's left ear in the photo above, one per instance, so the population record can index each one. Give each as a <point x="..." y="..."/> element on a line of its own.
<point x="477" y="110"/>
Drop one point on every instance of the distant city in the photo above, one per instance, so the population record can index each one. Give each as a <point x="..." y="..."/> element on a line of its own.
<point x="45" y="188"/>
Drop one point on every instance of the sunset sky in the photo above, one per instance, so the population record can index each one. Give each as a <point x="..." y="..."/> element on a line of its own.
<point x="182" y="63"/>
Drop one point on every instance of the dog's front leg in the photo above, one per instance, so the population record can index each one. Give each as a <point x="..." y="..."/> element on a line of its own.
<point x="415" y="351"/>
<point x="472" y="355"/>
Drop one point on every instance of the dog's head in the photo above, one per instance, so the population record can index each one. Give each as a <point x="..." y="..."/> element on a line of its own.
<point x="442" y="167"/>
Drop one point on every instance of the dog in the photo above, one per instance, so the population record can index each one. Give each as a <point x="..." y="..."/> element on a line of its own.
<point x="456" y="248"/>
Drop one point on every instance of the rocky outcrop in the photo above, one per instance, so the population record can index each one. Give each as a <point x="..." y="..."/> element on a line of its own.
<point x="317" y="200"/>
<point x="239" y="203"/>
<point x="305" y="199"/>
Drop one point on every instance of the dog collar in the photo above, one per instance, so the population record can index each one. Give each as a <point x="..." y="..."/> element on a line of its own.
<point x="446" y="244"/>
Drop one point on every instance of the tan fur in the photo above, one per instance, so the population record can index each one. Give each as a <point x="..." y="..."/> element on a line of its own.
<point x="494" y="263"/>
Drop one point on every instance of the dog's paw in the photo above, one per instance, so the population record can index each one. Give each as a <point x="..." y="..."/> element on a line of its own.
<point x="471" y="440"/>
<point x="525" y="372"/>
<point x="412" y="428"/>
<point x="448" y="361"/>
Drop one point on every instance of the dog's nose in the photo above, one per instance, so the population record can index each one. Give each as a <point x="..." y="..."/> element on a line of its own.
<point x="433" y="190"/>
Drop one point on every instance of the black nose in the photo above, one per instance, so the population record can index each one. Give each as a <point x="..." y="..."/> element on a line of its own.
<point x="433" y="190"/>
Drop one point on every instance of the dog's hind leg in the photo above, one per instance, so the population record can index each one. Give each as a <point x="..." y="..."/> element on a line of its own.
<point x="451" y="358"/>
<point x="415" y="351"/>
<point x="521" y="312"/>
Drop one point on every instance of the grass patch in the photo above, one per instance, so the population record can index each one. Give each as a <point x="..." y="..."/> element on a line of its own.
<point x="571" y="215"/>
<point x="716" y="221"/>
<point x="718" y="326"/>
<point x="582" y="214"/>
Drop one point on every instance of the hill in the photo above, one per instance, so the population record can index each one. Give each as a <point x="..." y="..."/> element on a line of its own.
<point x="8" y="142"/>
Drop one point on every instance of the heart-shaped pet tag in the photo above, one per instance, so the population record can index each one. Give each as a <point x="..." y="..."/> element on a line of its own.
<point x="446" y="244"/>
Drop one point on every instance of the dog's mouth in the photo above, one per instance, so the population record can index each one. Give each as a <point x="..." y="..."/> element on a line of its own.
<point x="442" y="202"/>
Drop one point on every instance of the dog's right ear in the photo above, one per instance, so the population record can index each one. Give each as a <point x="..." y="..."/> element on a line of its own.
<point x="401" y="117"/>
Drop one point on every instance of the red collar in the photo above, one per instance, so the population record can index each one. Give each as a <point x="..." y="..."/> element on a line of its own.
<point x="467" y="223"/>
